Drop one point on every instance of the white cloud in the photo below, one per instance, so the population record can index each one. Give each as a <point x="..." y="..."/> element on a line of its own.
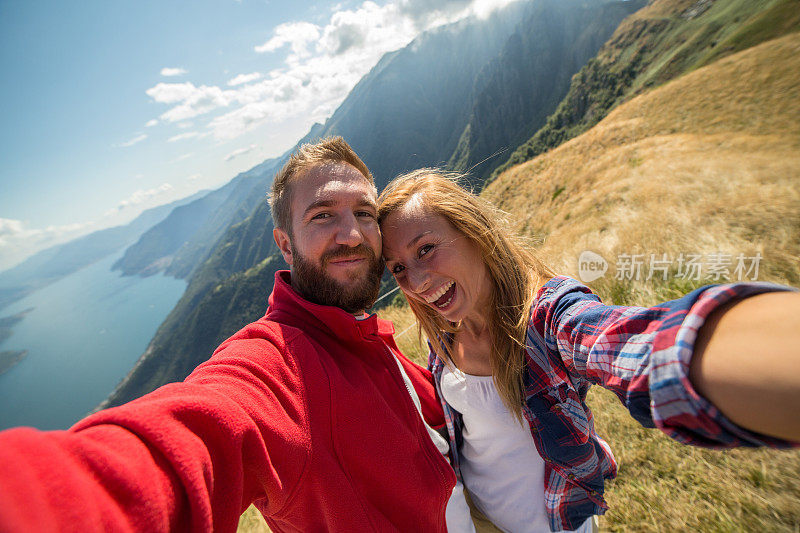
<point x="151" y="123"/>
<point x="296" y="34"/>
<point x="240" y="151"/>
<point x="194" y="177"/>
<point x="182" y="157"/>
<point x="168" y="71"/>
<point x="192" y="101"/>
<point x="181" y="136"/>
<point x="137" y="139"/>
<point x="322" y="64"/>
<point x="139" y="197"/>
<point x="17" y="241"/>
<point x="244" y="78"/>
<point x="9" y="229"/>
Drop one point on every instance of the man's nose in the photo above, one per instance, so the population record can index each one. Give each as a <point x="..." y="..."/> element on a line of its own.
<point x="349" y="232"/>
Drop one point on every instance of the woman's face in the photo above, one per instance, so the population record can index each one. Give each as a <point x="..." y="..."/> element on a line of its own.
<point x="435" y="264"/>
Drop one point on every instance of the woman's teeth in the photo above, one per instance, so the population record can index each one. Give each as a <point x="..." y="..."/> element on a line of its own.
<point x="438" y="294"/>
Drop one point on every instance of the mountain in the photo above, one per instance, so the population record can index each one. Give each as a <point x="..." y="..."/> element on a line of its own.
<point x="409" y="111"/>
<point x="184" y="237"/>
<point x="54" y="263"/>
<point x="666" y="39"/>
<point x="519" y="88"/>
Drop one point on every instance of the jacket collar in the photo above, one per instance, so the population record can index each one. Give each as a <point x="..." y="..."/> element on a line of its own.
<point x="287" y="306"/>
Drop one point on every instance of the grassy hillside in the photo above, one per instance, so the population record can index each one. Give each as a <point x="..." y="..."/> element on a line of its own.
<point x="664" y="40"/>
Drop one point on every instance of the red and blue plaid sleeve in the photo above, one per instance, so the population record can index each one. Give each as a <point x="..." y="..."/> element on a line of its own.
<point x="642" y="354"/>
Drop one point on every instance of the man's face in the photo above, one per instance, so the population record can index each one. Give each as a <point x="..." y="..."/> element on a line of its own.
<point x="335" y="245"/>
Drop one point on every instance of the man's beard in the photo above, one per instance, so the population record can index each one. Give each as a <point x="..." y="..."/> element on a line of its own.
<point x="315" y="285"/>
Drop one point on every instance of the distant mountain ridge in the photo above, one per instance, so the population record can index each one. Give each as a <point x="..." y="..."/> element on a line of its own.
<point x="180" y="241"/>
<point x="54" y="263"/>
<point x="409" y="111"/>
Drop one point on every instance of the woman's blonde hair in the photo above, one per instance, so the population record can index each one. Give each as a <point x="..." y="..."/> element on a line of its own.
<point x="515" y="271"/>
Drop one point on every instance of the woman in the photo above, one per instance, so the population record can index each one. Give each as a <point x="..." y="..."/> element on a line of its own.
<point x="514" y="350"/>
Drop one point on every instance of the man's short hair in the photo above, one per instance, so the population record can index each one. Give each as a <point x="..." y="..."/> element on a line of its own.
<point x="328" y="150"/>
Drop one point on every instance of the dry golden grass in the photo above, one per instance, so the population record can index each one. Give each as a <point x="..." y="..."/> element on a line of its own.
<point x="707" y="163"/>
<point x="665" y="486"/>
<point x="252" y="521"/>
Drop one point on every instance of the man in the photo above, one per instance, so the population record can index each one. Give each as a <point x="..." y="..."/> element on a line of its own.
<point x="309" y="412"/>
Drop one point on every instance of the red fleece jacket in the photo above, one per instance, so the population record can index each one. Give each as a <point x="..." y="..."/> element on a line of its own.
<point x="303" y="412"/>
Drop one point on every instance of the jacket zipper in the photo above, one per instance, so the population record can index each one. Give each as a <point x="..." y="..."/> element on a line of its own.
<point x="417" y="415"/>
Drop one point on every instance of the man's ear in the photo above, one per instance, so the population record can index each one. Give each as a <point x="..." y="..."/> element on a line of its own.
<point x="284" y="243"/>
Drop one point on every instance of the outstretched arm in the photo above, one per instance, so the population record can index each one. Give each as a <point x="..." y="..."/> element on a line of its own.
<point x="746" y="362"/>
<point x="188" y="456"/>
<point x="645" y="355"/>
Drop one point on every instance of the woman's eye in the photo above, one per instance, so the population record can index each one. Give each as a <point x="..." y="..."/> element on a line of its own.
<point x="425" y="249"/>
<point x="396" y="269"/>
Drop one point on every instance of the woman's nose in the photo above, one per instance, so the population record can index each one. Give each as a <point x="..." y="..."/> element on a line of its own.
<point x="418" y="280"/>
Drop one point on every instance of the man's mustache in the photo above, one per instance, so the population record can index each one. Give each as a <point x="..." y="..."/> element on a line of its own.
<point x="360" y="251"/>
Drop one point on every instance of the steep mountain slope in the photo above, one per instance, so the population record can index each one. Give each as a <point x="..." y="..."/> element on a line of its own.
<point x="54" y="263"/>
<point x="658" y="43"/>
<point x="409" y="111"/>
<point x="521" y="87"/>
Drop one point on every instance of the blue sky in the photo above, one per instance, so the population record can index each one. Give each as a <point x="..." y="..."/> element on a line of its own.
<point x="111" y="107"/>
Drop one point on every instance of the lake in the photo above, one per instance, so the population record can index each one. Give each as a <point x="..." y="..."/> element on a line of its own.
<point x="84" y="334"/>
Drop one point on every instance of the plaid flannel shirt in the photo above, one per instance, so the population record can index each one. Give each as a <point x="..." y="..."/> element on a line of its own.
<point x="640" y="354"/>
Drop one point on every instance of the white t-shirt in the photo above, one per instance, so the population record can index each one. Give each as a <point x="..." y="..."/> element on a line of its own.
<point x="501" y="467"/>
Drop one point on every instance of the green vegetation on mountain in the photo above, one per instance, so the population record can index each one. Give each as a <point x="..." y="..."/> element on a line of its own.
<point x="517" y="90"/>
<point x="666" y="39"/>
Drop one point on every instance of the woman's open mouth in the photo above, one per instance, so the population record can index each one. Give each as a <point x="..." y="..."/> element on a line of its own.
<point x="443" y="301"/>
